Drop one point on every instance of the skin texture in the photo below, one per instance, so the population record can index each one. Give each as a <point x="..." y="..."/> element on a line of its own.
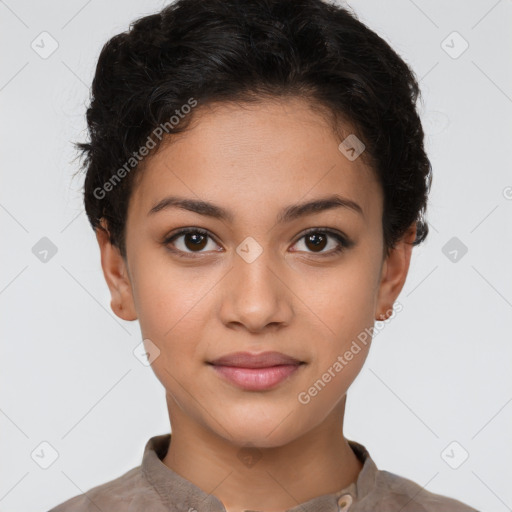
<point x="254" y="160"/>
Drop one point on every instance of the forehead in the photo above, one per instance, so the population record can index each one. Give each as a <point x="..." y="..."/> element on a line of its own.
<point x="248" y="155"/>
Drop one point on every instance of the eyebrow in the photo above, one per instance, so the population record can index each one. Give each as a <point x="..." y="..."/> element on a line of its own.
<point x="288" y="214"/>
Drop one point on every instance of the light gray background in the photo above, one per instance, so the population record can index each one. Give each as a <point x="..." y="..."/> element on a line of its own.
<point x="438" y="373"/>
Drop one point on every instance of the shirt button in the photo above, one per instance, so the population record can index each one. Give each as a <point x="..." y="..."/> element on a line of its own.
<point x="344" y="502"/>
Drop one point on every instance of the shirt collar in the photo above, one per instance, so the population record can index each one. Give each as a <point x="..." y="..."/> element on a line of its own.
<point x="180" y="493"/>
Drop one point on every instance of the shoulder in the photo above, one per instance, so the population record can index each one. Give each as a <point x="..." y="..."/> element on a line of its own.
<point x="383" y="491"/>
<point x="392" y="491"/>
<point x="129" y="492"/>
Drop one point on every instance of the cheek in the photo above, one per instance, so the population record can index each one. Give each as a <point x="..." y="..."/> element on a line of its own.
<point x="173" y="324"/>
<point x="166" y="295"/>
<point x="343" y="309"/>
<point x="341" y="302"/>
<point x="172" y="306"/>
<point x="340" y="353"/>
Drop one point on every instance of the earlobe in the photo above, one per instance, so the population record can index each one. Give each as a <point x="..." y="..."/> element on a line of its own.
<point x="116" y="276"/>
<point x="394" y="273"/>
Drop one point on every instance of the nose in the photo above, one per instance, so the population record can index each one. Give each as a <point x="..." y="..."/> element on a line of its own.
<point x="256" y="296"/>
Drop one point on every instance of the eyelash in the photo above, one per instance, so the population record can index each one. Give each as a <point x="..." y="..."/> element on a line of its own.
<point x="343" y="242"/>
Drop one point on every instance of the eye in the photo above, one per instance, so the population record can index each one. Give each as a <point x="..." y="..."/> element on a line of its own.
<point x="320" y="241"/>
<point x="317" y="239"/>
<point x="190" y="240"/>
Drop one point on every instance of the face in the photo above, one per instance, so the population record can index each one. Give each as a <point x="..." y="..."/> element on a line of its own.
<point x="256" y="270"/>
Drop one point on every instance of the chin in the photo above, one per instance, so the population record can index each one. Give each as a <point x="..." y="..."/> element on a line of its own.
<point x="260" y="432"/>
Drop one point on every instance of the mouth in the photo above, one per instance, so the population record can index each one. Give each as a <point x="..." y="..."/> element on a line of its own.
<point x="256" y="372"/>
<point x="259" y="360"/>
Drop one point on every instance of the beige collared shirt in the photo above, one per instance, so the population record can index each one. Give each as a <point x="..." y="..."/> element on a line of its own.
<point x="153" y="487"/>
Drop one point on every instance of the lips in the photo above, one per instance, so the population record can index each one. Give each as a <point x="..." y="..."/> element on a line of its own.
<point x="256" y="372"/>
<point x="262" y="360"/>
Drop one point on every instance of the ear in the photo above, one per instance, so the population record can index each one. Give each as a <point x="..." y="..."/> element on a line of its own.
<point x="393" y="274"/>
<point x="116" y="275"/>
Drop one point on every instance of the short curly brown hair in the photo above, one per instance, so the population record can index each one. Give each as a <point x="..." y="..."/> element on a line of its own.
<point x="244" y="50"/>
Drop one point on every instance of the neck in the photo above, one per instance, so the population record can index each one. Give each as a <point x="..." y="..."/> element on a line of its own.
<point x="264" y="479"/>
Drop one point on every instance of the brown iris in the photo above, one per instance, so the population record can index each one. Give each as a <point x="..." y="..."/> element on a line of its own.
<point x="317" y="240"/>
<point x="195" y="241"/>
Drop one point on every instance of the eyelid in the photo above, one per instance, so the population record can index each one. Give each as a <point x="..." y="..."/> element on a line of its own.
<point x="168" y="239"/>
<point x="320" y="229"/>
<point x="344" y="242"/>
